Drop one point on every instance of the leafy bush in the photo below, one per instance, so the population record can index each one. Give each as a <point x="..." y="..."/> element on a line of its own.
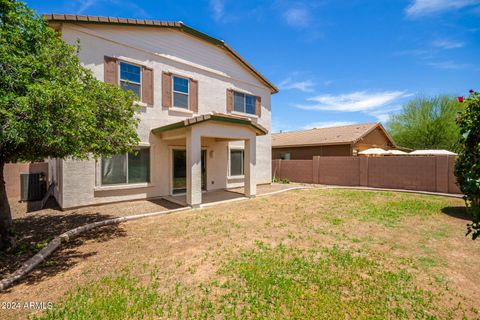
<point x="467" y="168"/>
<point x="426" y="123"/>
<point x="278" y="180"/>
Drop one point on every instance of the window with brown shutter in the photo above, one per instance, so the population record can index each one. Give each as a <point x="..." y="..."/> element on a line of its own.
<point x="166" y="90"/>
<point x="111" y="70"/>
<point x="258" y="106"/>
<point x="147" y="85"/>
<point x="229" y="100"/>
<point x="181" y="92"/>
<point x="193" y="84"/>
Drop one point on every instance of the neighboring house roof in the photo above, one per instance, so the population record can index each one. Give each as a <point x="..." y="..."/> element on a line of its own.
<point x="326" y="136"/>
<point x="214" y="116"/>
<point x="162" y="24"/>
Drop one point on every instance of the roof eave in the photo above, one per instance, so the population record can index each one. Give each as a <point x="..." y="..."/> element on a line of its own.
<point x="186" y="123"/>
<point x="342" y="143"/>
<point x="51" y="17"/>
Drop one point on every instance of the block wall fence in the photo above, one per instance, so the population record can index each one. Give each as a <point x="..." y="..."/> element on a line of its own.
<point x="421" y="173"/>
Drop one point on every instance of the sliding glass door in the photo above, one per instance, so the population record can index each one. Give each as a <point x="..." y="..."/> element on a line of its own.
<point x="179" y="170"/>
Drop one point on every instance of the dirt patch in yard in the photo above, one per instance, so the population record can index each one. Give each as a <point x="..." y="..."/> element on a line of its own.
<point x="408" y="231"/>
<point x="35" y="230"/>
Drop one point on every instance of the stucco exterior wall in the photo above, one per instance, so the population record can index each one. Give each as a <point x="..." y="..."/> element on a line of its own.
<point x="374" y="139"/>
<point x="178" y="53"/>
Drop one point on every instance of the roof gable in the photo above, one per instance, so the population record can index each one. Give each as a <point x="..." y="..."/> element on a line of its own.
<point x="180" y="26"/>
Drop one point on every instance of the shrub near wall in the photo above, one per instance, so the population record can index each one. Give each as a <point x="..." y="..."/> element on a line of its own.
<point x="467" y="169"/>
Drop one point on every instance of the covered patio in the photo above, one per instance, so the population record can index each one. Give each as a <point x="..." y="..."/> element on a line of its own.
<point x="215" y="128"/>
<point x="226" y="195"/>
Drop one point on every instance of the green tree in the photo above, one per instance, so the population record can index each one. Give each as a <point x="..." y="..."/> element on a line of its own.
<point x="50" y="105"/>
<point x="467" y="166"/>
<point x="426" y="123"/>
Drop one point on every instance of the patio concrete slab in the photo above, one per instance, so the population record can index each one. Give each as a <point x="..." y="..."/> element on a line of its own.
<point x="224" y="195"/>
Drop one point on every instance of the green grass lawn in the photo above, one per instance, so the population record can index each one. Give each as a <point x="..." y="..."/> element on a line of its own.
<point x="314" y="254"/>
<point x="265" y="282"/>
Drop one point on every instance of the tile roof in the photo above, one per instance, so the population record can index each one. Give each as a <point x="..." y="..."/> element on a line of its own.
<point x="215" y="116"/>
<point x="52" y="17"/>
<point x="324" y="136"/>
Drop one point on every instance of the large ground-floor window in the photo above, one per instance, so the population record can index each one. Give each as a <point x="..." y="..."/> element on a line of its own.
<point x="236" y="162"/>
<point x="127" y="168"/>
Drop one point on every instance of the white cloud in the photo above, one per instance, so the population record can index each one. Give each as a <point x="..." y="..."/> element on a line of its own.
<point x="448" y="44"/>
<point x="133" y="8"/>
<point x="354" y="102"/>
<point x="327" y="124"/>
<point x="426" y="7"/>
<point x="414" y="53"/>
<point x="448" y="64"/>
<point x="384" y="114"/>
<point x="85" y="6"/>
<point x="297" y="17"/>
<point x="289" y="84"/>
<point x="218" y="9"/>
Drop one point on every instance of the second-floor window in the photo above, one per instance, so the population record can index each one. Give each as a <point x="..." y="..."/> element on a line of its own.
<point x="243" y="103"/>
<point x="130" y="78"/>
<point x="180" y="92"/>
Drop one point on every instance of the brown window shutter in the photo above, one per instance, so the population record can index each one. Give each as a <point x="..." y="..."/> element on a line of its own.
<point x="229" y="100"/>
<point x="147" y="85"/>
<point x="166" y="90"/>
<point x="193" y="95"/>
<point x="111" y="70"/>
<point x="258" y="106"/>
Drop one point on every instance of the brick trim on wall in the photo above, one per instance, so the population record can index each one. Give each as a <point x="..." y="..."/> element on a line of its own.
<point x="147" y="86"/>
<point x="258" y="106"/>
<point x="110" y="70"/>
<point x="229" y="98"/>
<point x="166" y="90"/>
<point x="193" y="95"/>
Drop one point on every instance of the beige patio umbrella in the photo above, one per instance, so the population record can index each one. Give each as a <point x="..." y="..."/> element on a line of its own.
<point x="397" y="152"/>
<point x="432" y="153"/>
<point x="373" y="152"/>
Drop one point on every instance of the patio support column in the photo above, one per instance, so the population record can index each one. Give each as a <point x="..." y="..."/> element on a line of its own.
<point x="249" y="167"/>
<point x="194" y="171"/>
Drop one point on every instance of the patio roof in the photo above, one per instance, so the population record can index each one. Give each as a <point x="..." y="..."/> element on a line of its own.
<point x="260" y="130"/>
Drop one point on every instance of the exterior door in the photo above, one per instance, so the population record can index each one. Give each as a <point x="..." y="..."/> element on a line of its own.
<point x="179" y="171"/>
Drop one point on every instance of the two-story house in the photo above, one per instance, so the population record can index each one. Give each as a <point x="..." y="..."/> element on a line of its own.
<point x="205" y="117"/>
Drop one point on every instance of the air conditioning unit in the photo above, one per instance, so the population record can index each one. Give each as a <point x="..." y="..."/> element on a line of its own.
<point x="32" y="186"/>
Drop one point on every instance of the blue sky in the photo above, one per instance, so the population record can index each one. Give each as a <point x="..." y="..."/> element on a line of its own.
<point x="335" y="61"/>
